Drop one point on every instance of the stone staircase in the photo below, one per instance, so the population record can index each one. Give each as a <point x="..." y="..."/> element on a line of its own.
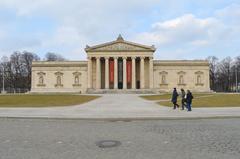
<point x="120" y="91"/>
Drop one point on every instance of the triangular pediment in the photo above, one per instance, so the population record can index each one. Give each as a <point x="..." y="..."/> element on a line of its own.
<point x="119" y="45"/>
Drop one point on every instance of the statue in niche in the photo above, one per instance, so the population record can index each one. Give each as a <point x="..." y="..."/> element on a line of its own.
<point x="163" y="79"/>
<point x="199" y="79"/>
<point x="41" y="80"/>
<point x="76" y="80"/>
<point x="59" y="80"/>
<point x="181" y="81"/>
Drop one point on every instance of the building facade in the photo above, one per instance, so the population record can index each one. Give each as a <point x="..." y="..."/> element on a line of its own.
<point x="120" y="66"/>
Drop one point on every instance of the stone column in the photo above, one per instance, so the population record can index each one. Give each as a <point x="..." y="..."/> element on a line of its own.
<point x="115" y="72"/>
<point x="89" y="72"/>
<point x="151" y="72"/>
<point x="106" y="72"/>
<point x="98" y="73"/>
<point x="133" y="72"/>
<point x="124" y="72"/>
<point x="142" y="79"/>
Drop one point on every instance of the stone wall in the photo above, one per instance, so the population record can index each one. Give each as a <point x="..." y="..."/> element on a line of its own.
<point x="71" y="76"/>
<point x="67" y="76"/>
<point x="193" y="75"/>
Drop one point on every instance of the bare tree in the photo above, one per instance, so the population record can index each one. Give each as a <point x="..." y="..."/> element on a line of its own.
<point x="26" y="59"/>
<point x="213" y="62"/>
<point x="54" y="57"/>
<point x="224" y="73"/>
<point x="237" y="72"/>
<point x="18" y="70"/>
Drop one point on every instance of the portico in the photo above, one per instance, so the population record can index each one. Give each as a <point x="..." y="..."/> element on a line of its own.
<point x="120" y="65"/>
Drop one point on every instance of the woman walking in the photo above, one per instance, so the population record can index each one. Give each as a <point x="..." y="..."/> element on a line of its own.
<point x="174" y="98"/>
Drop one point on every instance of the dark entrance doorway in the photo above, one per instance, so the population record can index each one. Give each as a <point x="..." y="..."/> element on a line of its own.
<point x="120" y="74"/>
<point x="138" y="85"/>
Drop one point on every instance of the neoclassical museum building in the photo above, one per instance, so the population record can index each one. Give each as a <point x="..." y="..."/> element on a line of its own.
<point x="120" y="66"/>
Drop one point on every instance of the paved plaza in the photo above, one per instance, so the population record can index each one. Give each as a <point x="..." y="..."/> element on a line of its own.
<point x="118" y="106"/>
<point x="77" y="139"/>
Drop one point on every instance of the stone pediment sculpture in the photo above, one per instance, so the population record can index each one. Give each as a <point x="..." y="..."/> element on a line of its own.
<point x="119" y="45"/>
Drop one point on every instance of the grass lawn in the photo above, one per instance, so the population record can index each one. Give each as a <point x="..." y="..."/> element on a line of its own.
<point x="203" y="100"/>
<point x="43" y="100"/>
<point x="169" y="96"/>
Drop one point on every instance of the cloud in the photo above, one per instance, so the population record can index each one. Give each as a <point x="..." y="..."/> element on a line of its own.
<point x="231" y="11"/>
<point x="182" y="30"/>
<point x="191" y="33"/>
<point x="79" y="22"/>
<point x="173" y="28"/>
<point x="69" y="37"/>
<point x="25" y="7"/>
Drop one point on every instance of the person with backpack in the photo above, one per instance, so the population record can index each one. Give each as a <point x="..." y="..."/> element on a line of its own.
<point x="174" y="98"/>
<point x="189" y="100"/>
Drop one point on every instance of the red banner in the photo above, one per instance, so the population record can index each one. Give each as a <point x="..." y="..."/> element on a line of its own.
<point x="129" y="71"/>
<point x="111" y="71"/>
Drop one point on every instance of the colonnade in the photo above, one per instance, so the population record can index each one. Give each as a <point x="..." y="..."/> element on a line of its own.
<point x="133" y="72"/>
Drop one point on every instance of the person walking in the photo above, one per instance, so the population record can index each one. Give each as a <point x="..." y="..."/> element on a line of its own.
<point x="174" y="98"/>
<point x="183" y="95"/>
<point x="189" y="100"/>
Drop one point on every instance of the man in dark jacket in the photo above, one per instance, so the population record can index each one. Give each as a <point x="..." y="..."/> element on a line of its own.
<point x="174" y="98"/>
<point x="183" y="95"/>
<point x="189" y="100"/>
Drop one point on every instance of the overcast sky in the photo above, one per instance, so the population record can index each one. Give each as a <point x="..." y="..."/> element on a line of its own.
<point x="180" y="29"/>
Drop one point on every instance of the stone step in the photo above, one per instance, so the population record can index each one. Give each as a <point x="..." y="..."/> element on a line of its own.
<point x="120" y="91"/>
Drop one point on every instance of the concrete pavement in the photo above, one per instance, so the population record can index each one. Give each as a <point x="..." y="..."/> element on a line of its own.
<point x="151" y="139"/>
<point x="117" y="107"/>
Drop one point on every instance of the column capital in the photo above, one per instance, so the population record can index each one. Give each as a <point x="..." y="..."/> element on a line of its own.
<point x="97" y="57"/>
<point x="106" y="58"/>
<point x="150" y="58"/>
<point x="115" y="57"/>
<point x="124" y="57"/>
<point x="89" y="57"/>
<point x="142" y="57"/>
<point x="133" y="57"/>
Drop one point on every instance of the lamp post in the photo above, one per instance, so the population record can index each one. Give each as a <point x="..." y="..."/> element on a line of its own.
<point x="236" y="74"/>
<point x="3" y="80"/>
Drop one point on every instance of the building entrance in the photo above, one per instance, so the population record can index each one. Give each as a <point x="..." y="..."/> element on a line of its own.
<point x="120" y="74"/>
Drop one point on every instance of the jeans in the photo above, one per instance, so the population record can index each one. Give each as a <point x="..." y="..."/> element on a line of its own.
<point x="183" y="104"/>
<point x="175" y="105"/>
<point x="189" y="106"/>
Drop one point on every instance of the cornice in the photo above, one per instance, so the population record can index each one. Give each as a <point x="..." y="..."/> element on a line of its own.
<point x="119" y="51"/>
<point x="180" y="63"/>
<point x="59" y="64"/>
